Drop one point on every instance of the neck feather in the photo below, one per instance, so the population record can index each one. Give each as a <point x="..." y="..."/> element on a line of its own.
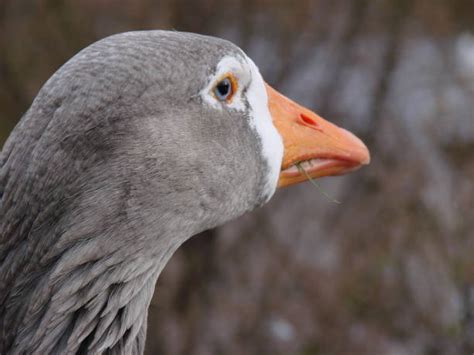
<point x="77" y="277"/>
<point x="83" y="302"/>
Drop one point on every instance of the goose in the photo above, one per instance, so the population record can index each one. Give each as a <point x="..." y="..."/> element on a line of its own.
<point x="140" y="141"/>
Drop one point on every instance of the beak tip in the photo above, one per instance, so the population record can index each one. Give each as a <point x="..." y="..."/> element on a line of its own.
<point x="362" y="152"/>
<point x="366" y="159"/>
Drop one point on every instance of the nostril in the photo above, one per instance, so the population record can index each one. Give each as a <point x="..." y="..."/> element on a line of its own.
<point x="309" y="121"/>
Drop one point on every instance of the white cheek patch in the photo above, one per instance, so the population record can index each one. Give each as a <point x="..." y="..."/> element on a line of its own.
<point x="245" y="70"/>
<point x="261" y="119"/>
<point x="228" y="64"/>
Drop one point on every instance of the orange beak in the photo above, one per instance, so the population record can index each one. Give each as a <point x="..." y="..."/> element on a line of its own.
<point x="318" y="146"/>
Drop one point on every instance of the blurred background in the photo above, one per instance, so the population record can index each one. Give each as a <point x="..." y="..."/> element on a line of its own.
<point x="388" y="271"/>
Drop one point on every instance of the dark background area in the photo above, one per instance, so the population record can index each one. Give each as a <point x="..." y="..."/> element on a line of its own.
<point x="388" y="271"/>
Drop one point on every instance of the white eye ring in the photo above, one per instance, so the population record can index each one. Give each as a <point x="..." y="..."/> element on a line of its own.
<point x="234" y="69"/>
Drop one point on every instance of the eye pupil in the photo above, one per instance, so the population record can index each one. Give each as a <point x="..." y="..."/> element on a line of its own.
<point x="223" y="89"/>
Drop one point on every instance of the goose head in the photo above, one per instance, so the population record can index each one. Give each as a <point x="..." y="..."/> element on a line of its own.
<point x="140" y="141"/>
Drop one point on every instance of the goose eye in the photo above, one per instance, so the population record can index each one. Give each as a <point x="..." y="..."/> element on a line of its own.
<point x="224" y="90"/>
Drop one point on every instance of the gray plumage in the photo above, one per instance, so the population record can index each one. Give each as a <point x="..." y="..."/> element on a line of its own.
<point x="115" y="164"/>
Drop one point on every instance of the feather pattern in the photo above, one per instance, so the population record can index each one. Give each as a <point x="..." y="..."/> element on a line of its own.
<point x="108" y="172"/>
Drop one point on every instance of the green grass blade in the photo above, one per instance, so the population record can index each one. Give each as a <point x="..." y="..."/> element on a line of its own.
<point x="312" y="181"/>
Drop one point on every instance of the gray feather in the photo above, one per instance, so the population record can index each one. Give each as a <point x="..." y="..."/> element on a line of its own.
<point x="115" y="164"/>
